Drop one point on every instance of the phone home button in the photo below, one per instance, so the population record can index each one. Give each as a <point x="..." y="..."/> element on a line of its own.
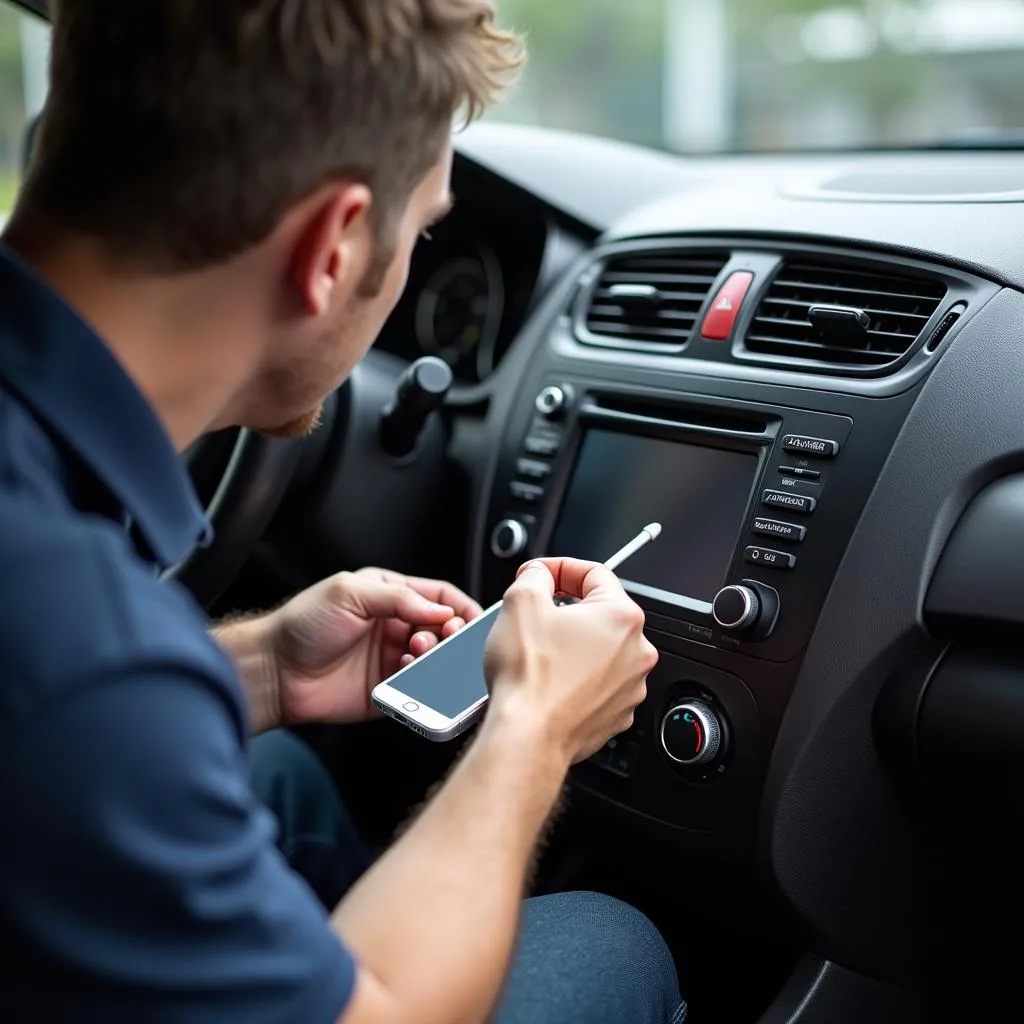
<point x="410" y="706"/>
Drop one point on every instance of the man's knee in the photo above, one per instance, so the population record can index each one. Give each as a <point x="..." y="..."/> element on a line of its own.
<point x="588" y="957"/>
<point x="289" y="778"/>
<point x="315" y="833"/>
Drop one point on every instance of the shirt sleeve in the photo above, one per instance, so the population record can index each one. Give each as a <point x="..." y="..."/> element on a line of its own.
<point x="140" y="873"/>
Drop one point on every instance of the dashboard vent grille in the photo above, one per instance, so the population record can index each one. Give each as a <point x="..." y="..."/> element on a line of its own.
<point x="653" y="298"/>
<point x="842" y="315"/>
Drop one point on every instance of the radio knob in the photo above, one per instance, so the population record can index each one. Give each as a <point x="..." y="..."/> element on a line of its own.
<point x="551" y="402"/>
<point x="508" y="539"/>
<point x="691" y="733"/>
<point x="736" y="607"/>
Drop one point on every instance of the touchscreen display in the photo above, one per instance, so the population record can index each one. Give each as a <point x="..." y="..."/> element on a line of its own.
<point x="622" y="482"/>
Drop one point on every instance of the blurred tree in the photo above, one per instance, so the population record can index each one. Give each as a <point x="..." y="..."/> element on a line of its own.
<point x="12" y="103"/>
<point x="594" y="65"/>
<point x="598" y="66"/>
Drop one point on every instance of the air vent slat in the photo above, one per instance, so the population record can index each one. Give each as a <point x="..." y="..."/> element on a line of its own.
<point x="612" y="312"/>
<point x="620" y="330"/>
<point x="879" y="317"/>
<point x="653" y="298"/>
<point x="604" y="295"/>
<point x="647" y="277"/>
<point x="662" y="262"/>
<point x="799" y="327"/>
<point x="821" y="289"/>
<point x="870" y="310"/>
<point x="810" y="349"/>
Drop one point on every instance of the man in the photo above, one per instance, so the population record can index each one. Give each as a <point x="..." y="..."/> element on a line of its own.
<point x="218" y="218"/>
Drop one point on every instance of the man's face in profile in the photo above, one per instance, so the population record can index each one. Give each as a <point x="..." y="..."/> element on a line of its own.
<point x="313" y="360"/>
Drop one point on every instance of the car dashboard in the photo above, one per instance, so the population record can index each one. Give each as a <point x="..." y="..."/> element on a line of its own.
<point x="810" y="370"/>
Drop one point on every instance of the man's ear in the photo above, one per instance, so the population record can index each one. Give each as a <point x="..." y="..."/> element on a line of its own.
<point x="332" y="251"/>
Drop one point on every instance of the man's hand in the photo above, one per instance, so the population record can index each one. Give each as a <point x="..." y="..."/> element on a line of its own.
<point x="317" y="658"/>
<point x="579" y="670"/>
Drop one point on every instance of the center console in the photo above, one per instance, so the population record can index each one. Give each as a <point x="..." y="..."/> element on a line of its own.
<point x="757" y="500"/>
<point x="746" y="397"/>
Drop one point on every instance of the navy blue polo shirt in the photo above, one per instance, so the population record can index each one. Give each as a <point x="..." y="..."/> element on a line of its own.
<point x="139" y="879"/>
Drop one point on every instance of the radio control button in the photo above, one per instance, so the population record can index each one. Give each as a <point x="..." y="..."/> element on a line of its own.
<point x="819" y="447"/>
<point x="621" y="756"/>
<point x="533" y="469"/>
<point x="776" y="528"/>
<point x="800" y="472"/>
<point x="551" y="402"/>
<point x="769" y="558"/>
<point x="791" y="502"/>
<point x="530" y="493"/>
<point x="538" y="444"/>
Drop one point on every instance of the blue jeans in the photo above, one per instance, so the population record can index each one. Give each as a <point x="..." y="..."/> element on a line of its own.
<point x="581" y="958"/>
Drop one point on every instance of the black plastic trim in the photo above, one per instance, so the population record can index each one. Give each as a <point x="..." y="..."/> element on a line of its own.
<point x="980" y="580"/>
<point x="822" y="992"/>
<point x="842" y="846"/>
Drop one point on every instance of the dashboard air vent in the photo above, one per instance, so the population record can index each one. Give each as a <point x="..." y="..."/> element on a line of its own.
<point x="650" y="298"/>
<point x="841" y="316"/>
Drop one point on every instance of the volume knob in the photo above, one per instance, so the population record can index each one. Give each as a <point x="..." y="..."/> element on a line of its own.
<point x="508" y="539"/>
<point x="736" y="607"/>
<point x="551" y="401"/>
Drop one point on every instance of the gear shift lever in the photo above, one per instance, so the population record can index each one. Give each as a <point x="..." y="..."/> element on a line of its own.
<point x="421" y="391"/>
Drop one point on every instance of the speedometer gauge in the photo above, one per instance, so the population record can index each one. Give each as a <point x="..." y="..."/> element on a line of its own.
<point x="458" y="314"/>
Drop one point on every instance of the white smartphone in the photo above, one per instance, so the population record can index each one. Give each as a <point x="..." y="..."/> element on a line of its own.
<point x="444" y="692"/>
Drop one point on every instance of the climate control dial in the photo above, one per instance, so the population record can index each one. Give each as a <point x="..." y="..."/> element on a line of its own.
<point x="692" y="734"/>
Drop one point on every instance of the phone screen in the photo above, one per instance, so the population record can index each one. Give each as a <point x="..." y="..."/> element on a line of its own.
<point x="450" y="679"/>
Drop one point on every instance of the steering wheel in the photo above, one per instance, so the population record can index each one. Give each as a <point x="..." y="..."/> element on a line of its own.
<point x="381" y="428"/>
<point x="246" y="493"/>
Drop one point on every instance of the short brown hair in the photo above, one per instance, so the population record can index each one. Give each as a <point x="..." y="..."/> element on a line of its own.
<point x="179" y="132"/>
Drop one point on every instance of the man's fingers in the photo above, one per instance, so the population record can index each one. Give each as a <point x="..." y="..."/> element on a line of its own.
<point x="579" y="578"/>
<point x="452" y="626"/>
<point x="375" y="599"/>
<point x="422" y="642"/>
<point x="448" y="594"/>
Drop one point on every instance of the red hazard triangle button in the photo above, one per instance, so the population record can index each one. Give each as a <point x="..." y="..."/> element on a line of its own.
<point x="721" y="318"/>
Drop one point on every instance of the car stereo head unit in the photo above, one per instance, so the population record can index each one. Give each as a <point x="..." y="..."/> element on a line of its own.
<point x="741" y="563"/>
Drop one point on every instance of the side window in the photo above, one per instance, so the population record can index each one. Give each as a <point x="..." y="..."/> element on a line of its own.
<point x="24" y="55"/>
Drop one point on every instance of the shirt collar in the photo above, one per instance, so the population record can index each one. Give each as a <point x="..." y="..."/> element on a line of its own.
<point x="69" y="378"/>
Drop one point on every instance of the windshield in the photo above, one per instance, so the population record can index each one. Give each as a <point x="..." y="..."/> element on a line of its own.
<point x="756" y="75"/>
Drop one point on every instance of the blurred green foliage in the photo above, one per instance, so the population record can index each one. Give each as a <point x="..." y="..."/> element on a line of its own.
<point x="12" y="104"/>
